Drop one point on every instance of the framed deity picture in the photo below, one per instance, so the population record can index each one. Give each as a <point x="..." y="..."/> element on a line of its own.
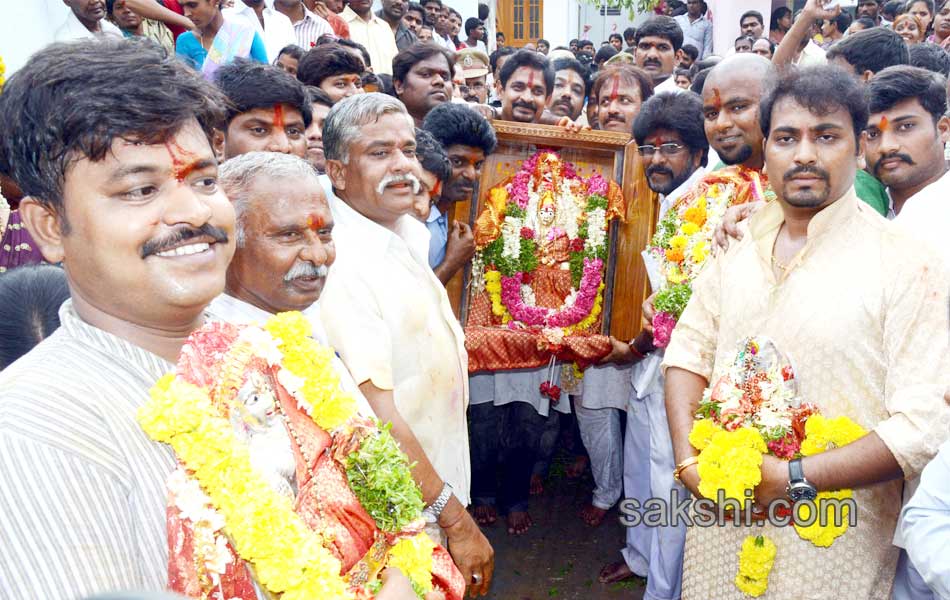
<point x="559" y="222"/>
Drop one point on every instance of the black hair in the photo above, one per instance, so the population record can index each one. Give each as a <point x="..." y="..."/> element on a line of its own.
<point x="842" y="21"/>
<point x="432" y="156"/>
<point x="615" y="36"/>
<point x="744" y="37"/>
<point x="821" y="90"/>
<point x="691" y="51"/>
<point x="625" y="71"/>
<point x="415" y="54"/>
<point x="572" y="64"/>
<point x="896" y="84"/>
<point x="472" y="23"/>
<point x="501" y="33"/>
<point x="582" y="43"/>
<point x="30" y="297"/>
<point x="910" y="3"/>
<point x="318" y="96"/>
<point x="348" y="43"/>
<point x="494" y="56"/>
<point x="679" y="112"/>
<point x="452" y="123"/>
<point x="663" y="27"/>
<point x="574" y="41"/>
<point x="416" y="7"/>
<point x="629" y="33"/>
<point x="545" y="42"/>
<point x="779" y="13"/>
<point x="249" y="84"/>
<point x="754" y="14"/>
<point x="872" y="50"/>
<point x="73" y="100"/>
<point x="328" y="60"/>
<point x="931" y="57"/>
<point x="680" y="72"/>
<point x="892" y="8"/>
<point x="425" y="2"/>
<point x="706" y="63"/>
<point x="291" y="50"/>
<point x="771" y="44"/>
<point x="604" y="53"/>
<point x="533" y="60"/>
<point x="386" y="84"/>
<point x="865" y="22"/>
<point x="699" y="80"/>
<point x="483" y="11"/>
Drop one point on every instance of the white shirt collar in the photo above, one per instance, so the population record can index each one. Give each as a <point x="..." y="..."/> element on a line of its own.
<point x="686" y="185"/>
<point x="73" y="29"/>
<point x="374" y="237"/>
<point x="434" y="214"/>
<point x="939" y="188"/>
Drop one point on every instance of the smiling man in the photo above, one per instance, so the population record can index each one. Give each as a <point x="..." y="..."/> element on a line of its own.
<point x="527" y="81"/>
<point x="817" y="235"/>
<point x="86" y="19"/>
<point x="390" y="319"/>
<point x="123" y="191"/>
<point x="267" y="109"/>
<point x="422" y="78"/>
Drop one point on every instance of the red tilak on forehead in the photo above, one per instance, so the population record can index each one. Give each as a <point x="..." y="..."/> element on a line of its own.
<point x="531" y="79"/>
<point x="717" y="99"/>
<point x="183" y="162"/>
<point x="616" y="88"/>
<point x="314" y="223"/>
<point x="278" y="116"/>
<point x="883" y="124"/>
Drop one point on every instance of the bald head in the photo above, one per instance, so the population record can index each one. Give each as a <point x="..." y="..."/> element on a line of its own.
<point x="731" y="97"/>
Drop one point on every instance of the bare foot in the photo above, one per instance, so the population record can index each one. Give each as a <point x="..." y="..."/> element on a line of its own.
<point x="576" y="468"/>
<point x="537" y="485"/>
<point x="485" y="514"/>
<point x="519" y="522"/>
<point x="592" y="515"/>
<point x="614" y="572"/>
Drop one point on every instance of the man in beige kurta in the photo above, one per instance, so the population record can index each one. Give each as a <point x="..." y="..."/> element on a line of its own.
<point x="861" y="310"/>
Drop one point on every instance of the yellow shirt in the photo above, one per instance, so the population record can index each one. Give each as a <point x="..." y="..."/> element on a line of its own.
<point x="376" y="36"/>
<point x="862" y="311"/>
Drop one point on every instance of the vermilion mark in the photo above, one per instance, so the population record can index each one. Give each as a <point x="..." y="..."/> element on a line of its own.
<point x="183" y="161"/>
<point x="314" y="223"/>
<point x="530" y="79"/>
<point x="279" y="116"/>
<point x="717" y="99"/>
<point x="883" y="124"/>
<point x="616" y="88"/>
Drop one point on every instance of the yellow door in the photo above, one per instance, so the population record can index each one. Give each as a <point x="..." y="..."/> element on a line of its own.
<point x="520" y="20"/>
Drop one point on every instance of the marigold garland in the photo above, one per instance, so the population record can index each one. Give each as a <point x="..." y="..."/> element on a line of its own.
<point x="756" y="559"/>
<point x="413" y="556"/>
<point x="731" y="462"/>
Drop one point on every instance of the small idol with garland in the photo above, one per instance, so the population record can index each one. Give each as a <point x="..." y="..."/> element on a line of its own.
<point x="283" y="486"/>
<point x="540" y="269"/>
<point x="752" y="410"/>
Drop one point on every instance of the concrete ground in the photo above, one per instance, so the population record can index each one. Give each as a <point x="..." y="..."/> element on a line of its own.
<point x="560" y="556"/>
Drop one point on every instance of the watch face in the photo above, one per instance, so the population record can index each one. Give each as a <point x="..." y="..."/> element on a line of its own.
<point x="802" y="491"/>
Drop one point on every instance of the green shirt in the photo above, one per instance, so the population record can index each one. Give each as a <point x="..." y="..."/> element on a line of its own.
<point x="871" y="191"/>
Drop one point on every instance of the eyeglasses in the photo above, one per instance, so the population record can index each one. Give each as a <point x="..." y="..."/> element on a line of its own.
<point x="668" y="149"/>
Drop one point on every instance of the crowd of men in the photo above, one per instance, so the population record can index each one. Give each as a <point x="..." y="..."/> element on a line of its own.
<point x="313" y="165"/>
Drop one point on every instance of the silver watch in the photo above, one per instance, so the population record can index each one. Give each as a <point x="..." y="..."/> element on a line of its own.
<point x="432" y="512"/>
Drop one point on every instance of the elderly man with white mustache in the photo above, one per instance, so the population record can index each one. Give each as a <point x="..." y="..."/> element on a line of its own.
<point x="390" y="319"/>
<point x="284" y="245"/>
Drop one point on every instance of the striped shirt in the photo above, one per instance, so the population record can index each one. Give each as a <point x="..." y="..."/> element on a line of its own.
<point x="309" y="29"/>
<point x="82" y="488"/>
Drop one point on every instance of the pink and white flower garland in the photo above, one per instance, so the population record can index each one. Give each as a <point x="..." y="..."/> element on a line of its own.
<point x="569" y="314"/>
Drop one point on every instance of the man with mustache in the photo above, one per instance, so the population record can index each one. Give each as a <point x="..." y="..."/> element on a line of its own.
<point x="86" y="19"/>
<point x="569" y="89"/>
<point x="274" y="27"/>
<point x="268" y="110"/>
<point x="422" y="78"/>
<point x="871" y="346"/>
<point x="468" y="139"/>
<point x="620" y="91"/>
<point x="907" y="130"/>
<point x="658" y="41"/>
<point x="527" y="81"/>
<point x="390" y="318"/>
<point x="674" y="150"/>
<point x="393" y="12"/>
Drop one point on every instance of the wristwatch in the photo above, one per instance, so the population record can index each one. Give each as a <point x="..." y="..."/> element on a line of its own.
<point x="432" y="512"/>
<point x="798" y="487"/>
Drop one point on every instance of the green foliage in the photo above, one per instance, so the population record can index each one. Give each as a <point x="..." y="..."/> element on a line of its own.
<point x="527" y="262"/>
<point x="381" y="477"/>
<point x="666" y="229"/>
<point x="673" y="299"/>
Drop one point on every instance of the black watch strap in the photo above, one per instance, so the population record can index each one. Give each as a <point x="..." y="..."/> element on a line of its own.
<point x="795" y="471"/>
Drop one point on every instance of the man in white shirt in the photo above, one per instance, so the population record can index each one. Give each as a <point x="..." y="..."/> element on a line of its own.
<point x="308" y="26"/>
<point x="390" y="318"/>
<point x="697" y="29"/>
<point x="907" y="131"/>
<point x="86" y="19"/>
<point x="674" y="150"/>
<point x="284" y="246"/>
<point x="658" y="39"/>
<point x="274" y="27"/>
<point x="373" y="33"/>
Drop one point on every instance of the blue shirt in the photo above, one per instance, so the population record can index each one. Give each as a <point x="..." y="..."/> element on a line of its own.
<point x="189" y="49"/>
<point x="438" y="226"/>
<point x="924" y="527"/>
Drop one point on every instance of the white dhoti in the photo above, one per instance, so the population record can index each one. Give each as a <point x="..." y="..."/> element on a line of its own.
<point x="605" y="392"/>
<point x="652" y="552"/>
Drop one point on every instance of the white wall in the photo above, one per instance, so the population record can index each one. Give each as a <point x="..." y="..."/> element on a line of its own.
<point x="726" y="15"/>
<point x="25" y="27"/>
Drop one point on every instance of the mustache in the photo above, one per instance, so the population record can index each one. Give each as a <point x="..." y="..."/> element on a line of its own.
<point x="305" y="268"/>
<point x="820" y="173"/>
<point x="522" y="104"/>
<point x="391" y="179"/>
<point x="182" y="234"/>
<point x="654" y="170"/>
<point x="904" y="157"/>
<point x="652" y="61"/>
<point x="616" y="117"/>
